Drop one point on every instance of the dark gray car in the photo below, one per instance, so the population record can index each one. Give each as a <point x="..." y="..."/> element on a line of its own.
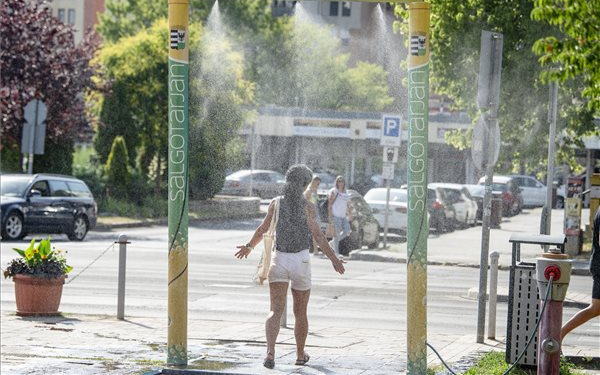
<point x="46" y="203"/>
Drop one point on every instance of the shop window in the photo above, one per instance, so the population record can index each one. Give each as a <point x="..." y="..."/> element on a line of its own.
<point x="334" y="8"/>
<point x="346" y="8"/>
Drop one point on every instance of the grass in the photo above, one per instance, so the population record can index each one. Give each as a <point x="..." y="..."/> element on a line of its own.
<point x="493" y="363"/>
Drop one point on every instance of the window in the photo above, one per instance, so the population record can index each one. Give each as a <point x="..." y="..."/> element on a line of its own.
<point x="78" y="189"/>
<point x="59" y="188"/>
<point x="334" y="8"/>
<point x="71" y="18"/>
<point x="346" y="8"/>
<point x="42" y="187"/>
<point x="61" y="15"/>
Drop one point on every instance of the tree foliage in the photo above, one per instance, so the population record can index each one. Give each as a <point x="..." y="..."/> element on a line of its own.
<point x="455" y="43"/>
<point x="576" y="51"/>
<point x="39" y="60"/>
<point x="117" y="169"/>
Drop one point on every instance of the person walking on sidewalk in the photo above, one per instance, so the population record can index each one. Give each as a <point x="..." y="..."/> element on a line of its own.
<point x="339" y="213"/>
<point x="311" y="195"/>
<point x="593" y="310"/>
<point x="296" y="225"/>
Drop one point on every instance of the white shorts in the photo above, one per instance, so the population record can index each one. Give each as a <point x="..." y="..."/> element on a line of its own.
<point x="291" y="266"/>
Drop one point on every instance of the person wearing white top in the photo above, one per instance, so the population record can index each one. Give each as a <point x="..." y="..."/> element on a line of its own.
<point x="339" y="211"/>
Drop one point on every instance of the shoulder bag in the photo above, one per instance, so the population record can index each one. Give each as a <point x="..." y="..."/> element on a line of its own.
<point x="262" y="270"/>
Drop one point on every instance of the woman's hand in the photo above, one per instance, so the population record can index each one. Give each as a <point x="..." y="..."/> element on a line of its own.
<point x="243" y="252"/>
<point x="338" y="265"/>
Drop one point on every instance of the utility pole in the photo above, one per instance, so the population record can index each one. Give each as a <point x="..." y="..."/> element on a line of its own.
<point x="178" y="183"/>
<point x="418" y="227"/>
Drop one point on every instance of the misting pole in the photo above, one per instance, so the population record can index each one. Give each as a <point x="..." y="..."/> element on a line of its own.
<point x="178" y="183"/>
<point x="418" y="226"/>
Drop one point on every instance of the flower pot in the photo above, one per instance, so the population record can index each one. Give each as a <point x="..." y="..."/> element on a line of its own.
<point x="38" y="295"/>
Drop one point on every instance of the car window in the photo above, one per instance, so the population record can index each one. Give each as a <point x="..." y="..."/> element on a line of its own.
<point x="452" y="195"/>
<point x="59" y="188"/>
<point x="261" y="177"/>
<point x="78" y="189"/>
<point x="531" y="183"/>
<point x="466" y="193"/>
<point x="274" y="177"/>
<point x="42" y="187"/>
<point x="431" y="195"/>
<point x="13" y="187"/>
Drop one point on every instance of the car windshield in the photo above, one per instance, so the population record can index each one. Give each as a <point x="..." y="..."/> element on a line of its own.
<point x="238" y="175"/>
<point x="14" y="187"/>
<point x="396" y="195"/>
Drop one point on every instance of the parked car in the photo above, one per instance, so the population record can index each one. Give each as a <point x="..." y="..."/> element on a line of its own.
<point x="46" y="203"/>
<point x="532" y="190"/>
<point x="261" y="183"/>
<point x="397" y="214"/>
<point x="465" y="208"/>
<point x="512" y="200"/>
<point x="365" y="229"/>
<point x="442" y="215"/>
<point x="477" y="193"/>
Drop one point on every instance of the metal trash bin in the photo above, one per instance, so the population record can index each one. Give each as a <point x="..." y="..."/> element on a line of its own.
<point x="523" y="299"/>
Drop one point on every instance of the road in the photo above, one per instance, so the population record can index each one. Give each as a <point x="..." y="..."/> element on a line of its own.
<point x="371" y="295"/>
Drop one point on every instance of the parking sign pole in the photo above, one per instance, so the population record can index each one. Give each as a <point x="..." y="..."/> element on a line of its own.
<point x="418" y="227"/>
<point x="178" y="183"/>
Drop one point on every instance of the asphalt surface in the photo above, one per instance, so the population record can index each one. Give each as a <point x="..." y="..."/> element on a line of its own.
<point x="100" y="344"/>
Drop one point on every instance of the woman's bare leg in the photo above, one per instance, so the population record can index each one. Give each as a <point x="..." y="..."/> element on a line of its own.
<point x="278" y="293"/>
<point x="592" y="311"/>
<point x="301" y="320"/>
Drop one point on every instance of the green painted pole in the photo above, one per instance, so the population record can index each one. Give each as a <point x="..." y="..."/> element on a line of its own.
<point x="418" y="226"/>
<point x="178" y="183"/>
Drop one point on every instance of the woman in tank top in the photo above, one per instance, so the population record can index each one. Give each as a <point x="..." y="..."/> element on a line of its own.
<point x="296" y="226"/>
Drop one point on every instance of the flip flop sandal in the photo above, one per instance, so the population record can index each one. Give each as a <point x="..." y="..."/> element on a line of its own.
<point x="269" y="363"/>
<point x="302" y="362"/>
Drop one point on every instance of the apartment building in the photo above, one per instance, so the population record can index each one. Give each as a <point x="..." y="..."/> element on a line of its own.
<point x="81" y="14"/>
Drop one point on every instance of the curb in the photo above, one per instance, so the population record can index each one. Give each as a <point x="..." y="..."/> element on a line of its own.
<point x="101" y="227"/>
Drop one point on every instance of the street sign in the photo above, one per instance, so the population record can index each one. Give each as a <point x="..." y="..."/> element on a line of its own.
<point x="390" y="155"/>
<point x="490" y="67"/>
<point x="479" y="152"/>
<point x="34" y="128"/>
<point x="387" y="171"/>
<point x="391" y="130"/>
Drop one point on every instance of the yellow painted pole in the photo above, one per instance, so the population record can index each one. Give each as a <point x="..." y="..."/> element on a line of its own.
<point x="418" y="226"/>
<point x="178" y="183"/>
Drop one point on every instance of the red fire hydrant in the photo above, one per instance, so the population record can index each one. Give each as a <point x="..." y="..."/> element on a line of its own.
<point x="554" y="269"/>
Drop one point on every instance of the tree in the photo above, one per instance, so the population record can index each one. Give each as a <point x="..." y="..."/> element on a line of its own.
<point x="576" y="51"/>
<point x="39" y="59"/>
<point x="117" y="169"/>
<point x="455" y="42"/>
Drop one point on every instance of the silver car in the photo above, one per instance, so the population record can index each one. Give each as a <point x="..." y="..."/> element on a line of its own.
<point x="257" y="182"/>
<point x="397" y="213"/>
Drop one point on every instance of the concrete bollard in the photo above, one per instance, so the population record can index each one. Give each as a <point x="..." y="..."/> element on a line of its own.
<point x="122" y="241"/>
<point x="494" y="256"/>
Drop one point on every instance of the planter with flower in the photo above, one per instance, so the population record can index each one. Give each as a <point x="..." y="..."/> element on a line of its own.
<point x="39" y="274"/>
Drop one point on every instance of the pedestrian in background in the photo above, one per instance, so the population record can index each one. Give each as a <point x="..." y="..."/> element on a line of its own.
<point x="311" y="195"/>
<point x="296" y="226"/>
<point x="340" y="213"/>
<point x="593" y="310"/>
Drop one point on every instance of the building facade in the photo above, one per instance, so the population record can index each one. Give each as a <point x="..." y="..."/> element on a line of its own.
<point x="80" y="14"/>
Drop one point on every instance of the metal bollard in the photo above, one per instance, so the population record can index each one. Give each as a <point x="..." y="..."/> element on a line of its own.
<point x="494" y="256"/>
<point x="122" y="263"/>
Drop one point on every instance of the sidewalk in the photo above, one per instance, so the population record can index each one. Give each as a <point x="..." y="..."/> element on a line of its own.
<point x="81" y="344"/>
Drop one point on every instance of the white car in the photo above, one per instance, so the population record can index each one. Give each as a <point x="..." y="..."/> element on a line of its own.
<point x="460" y="198"/>
<point x="533" y="191"/>
<point x="398" y="204"/>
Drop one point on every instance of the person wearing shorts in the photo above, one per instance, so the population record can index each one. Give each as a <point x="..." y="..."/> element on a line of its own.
<point x="593" y="310"/>
<point x="296" y="227"/>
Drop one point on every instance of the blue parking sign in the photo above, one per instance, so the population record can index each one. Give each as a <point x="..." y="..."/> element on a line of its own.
<point x="391" y="130"/>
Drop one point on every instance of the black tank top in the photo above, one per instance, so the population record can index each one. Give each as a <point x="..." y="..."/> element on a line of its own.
<point x="293" y="234"/>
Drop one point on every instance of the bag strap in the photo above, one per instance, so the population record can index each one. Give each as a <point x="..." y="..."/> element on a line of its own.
<point x="273" y="225"/>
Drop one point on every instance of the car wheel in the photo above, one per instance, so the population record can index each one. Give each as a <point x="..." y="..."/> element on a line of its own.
<point x="13" y="227"/>
<point x="79" y="229"/>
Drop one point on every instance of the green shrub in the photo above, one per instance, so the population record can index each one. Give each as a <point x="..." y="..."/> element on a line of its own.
<point x="117" y="170"/>
<point x="493" y="363"/>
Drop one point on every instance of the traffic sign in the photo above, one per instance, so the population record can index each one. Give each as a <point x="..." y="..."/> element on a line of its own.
<point x="481" y="153"/>
<point x="390" y="154"/>
<point x="34" y="128"/>
<point x="387" y="171"/>
<point x="391" y="130"/>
